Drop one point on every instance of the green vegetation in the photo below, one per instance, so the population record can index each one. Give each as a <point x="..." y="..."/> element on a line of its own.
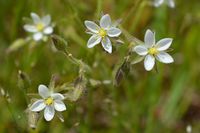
<point x="162" y="101"/>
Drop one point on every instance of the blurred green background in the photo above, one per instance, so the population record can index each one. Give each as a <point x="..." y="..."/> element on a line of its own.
<point x="145" y="102"/>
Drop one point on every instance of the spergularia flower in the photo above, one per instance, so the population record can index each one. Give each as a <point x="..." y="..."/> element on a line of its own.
<point x="102" y="33"/>
<point x="152" y="50"/>
<point x="189" y="129"/>
<point x="40" y="28"/>
<point x="50" y="102"/>
<point x="170" y="3"/>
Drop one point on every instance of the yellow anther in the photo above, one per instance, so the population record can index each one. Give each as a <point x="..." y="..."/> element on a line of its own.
<point x="49" y="101"/>
<point x="153" y="51"/>
<point x="102" y="33"/>
<point x="40" y="26"/>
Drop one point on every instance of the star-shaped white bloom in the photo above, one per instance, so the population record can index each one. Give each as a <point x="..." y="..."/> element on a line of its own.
<point x="50" y="103"/>
<point x="170" y="3"/>
<point x="102" y="33"/>
<point x="40" y="28"/>
<point x="151" y="50"/>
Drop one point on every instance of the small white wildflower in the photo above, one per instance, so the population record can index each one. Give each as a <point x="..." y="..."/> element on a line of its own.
<point x="40" y="28"/>
<point x="2" y="92"/>
<point x="50" y="103"/>
<point x="102" y="33"/>
<point x="170" y="3"/>
<point x="151" y="50"/>
<point x="189" y="129"/>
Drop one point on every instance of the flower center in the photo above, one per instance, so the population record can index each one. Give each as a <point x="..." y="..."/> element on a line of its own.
<point x="153" y="51"/>
<point x="49" y="101"/>
<point x="40" y="26"/>
<point x="102" y="32"/>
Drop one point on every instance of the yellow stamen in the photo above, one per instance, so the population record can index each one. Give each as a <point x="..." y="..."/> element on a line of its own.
<point x="49" y="101"/>
<point x="153" y="51"/>
<point x="102" y="33"/>
<point x="40" y="26"/>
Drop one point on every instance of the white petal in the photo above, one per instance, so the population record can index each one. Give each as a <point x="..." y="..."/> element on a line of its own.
<point x="164" y="57"/>
<point x="94" y="40"/>
<point x="30" y="28"/>
<point x="37" y="36"/>
<point x="48" y="30"/>
<point x="149" y="38"/>
<point x="46" y="20"/>
<point x="57" y="96"/>
<point x="35" y="17"/>
<point x="59" y="105"/>
<point x="171" y="3"/>
<point x="38" y="106"/>
<point x="149" y="62"/>
<point x="164" y="44"/>
<point x="141" y="50"/>
<point x="105" y="21"/>
<point x="49" y="113"/>
<point x="158" y="2"/>
<point x="113" y="32"/>
<point x="92" y="26"/>
<point x="106" y="43"/>
<point x="43" y="91"/>
<point x="89" y="32"/>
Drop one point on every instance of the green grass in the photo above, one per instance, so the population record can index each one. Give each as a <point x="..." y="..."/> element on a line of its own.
<point x="145" y="102"/>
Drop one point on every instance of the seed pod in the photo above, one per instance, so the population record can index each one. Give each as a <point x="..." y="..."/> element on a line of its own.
<point x="33" y="118"/>
<point x="59" y="43"/>
<point x="122" y="71"/>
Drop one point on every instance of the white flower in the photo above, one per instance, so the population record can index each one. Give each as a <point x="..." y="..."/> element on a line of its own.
<point x="40" y="28"/>
<point x="170" y="3"/>
<point x="50" y="103"/>
<point x="189" y="129"/>
<point x="151" y="50"/>
<point x="102" y="33"/>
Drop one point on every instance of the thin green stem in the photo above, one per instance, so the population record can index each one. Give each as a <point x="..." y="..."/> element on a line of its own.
<point x="71" y="58"/>
<point x="74" y="11"/>
<point x="99" y="8"/>
<point x="132" y="10"/>
<point x="138" y="15"/>
<point x="12" y="114"/>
